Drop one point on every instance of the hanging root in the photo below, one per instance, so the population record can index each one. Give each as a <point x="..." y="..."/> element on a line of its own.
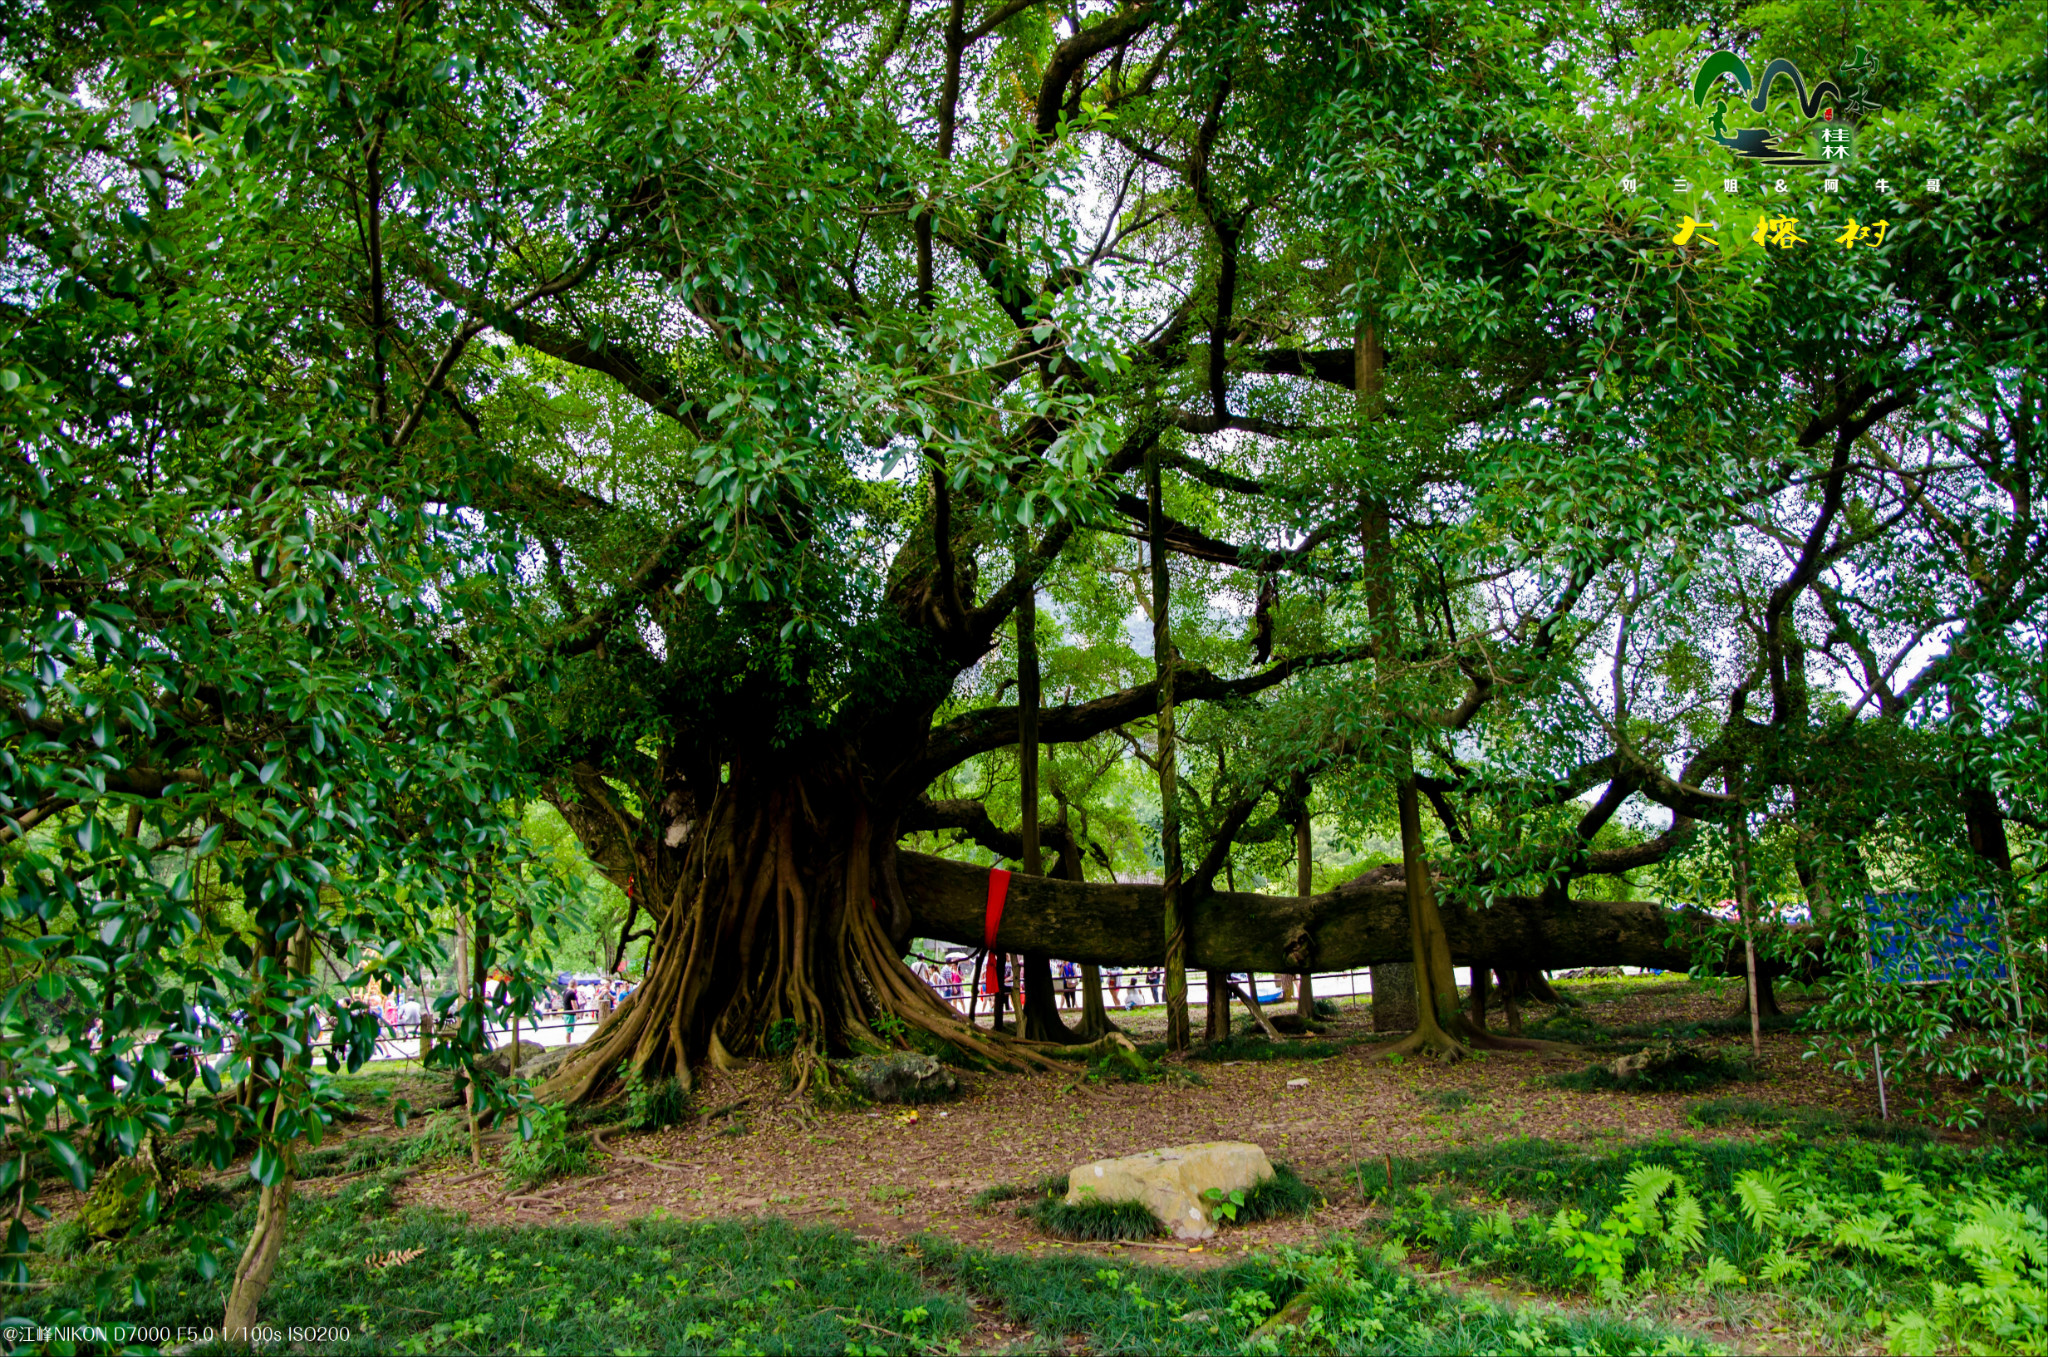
<point x="899" y="994"/>
<point x="756" y="957"/>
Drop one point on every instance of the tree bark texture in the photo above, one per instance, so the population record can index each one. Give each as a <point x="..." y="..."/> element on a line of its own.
<point x="1393" y="997"/>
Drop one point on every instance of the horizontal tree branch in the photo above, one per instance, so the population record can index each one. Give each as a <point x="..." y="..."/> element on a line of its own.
<point x="1361" y="923"/>
<point x="978" y="732"/>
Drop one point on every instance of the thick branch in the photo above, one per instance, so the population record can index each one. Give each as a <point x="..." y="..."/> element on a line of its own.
<point x="1361" y="923"/>
<point x="977" y="732"/>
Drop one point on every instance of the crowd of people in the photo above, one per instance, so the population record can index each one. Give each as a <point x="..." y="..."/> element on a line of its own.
<point x="571" y="1000"/>
<point x="954" y="978"/>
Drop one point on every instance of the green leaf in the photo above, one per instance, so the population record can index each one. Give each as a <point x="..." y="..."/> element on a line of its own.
<point x="69" y="1163"/>
<point x="267" y="1166"/>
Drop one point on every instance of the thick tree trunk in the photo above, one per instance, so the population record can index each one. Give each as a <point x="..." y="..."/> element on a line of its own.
<point x="1439" y="1025"/>
<point x="1042" y="1021"/>
<point x="770" y="940"/>
<point x="1393" y="996"/>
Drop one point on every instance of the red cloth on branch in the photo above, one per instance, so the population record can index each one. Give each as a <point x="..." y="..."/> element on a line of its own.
<point x="998" y="891"/>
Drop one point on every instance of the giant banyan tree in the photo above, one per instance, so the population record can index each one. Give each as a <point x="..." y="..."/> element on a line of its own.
<point x="1238" y="322"/>
<point x="1288" y="401"/>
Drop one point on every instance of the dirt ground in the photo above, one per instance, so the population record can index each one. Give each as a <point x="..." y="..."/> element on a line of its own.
<point x="886" y="1174"/>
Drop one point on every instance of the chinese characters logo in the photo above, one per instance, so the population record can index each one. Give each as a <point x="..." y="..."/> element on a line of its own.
<point x="1763" y="143"/>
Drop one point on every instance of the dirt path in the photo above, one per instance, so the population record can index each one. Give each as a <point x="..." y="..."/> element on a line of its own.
<point x="882" y="1174"/>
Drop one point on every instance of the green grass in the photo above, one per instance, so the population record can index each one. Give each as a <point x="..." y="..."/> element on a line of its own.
<point x="652" y="1285"/>
<point x="1283" y="1194"/>
<point x="1088" y="1219"/>
<point x="1005" y="1192"/>
<point x="1238" y="1046"/>
<point x="1807" y="1121"/>
<point x="1687" y="1071"/>
<point x="1335" y="1297"/>
<point x="662" y="1285"/>
<point x="1446" y="1099"/>
<point x="1573" y="1026"/>
<point x="1848" y="1238"/>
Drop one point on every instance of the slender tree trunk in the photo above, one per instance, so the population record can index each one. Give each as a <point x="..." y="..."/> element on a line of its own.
<point x="1177" y="1034"/>
<point x="1217" y="1026"/>
<point x="1095" y="1023"/>
<point x="258" y="1263"/>
<point x="1983" y="821"/>
<point x="1481" y="975"/>
<point x="1040" y="1011"/>
<point x="1304" y="886"/>
<point x="1739" y="851"/>
<point x="465" y="986"/>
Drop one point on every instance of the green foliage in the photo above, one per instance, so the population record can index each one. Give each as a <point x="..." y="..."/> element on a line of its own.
<point x="1669" y="1068"/>
<point x="1089" y="1218"/>
<point x="653" y="1285"/>
<point x="1243" y="1047"/>
<point x="1811" y="1122"/>
<point x="1123" y="1064"/>
<point x="1283" y="1194"/>
<point x="781" y="1037"/>
<point x="1329" y="1298"/>
<point x="653" y="1107"/>
<point x="1863" y="1237"/>
<point x="545" y="1150"/>
<point x="444" y="1135"/>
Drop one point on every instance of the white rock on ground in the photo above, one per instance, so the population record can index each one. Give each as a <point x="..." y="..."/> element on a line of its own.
<point x="1171" y="1182"/>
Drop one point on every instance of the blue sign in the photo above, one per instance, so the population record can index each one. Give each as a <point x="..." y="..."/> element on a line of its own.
<point x="1918" y="938"/>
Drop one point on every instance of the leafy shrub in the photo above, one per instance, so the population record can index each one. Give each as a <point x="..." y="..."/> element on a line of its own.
<point x="1248" y="1047"/>
<point x="1283" y="1194"/>
<point x="651" y="1107"/>
<point x="1952" y="1243"/>
<point x="441" y="1136"/>
<point x="1671" y="1067"/>
<point x="550" y="1152"/>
